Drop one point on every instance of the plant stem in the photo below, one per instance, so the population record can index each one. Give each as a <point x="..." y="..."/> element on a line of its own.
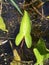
<point x="22" y="43"/>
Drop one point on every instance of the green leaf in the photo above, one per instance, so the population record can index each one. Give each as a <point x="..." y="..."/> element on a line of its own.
<point x="28" y="40"/>
<point x="2" y="25"/>
<point x="41" y="52"/>
<point x="41" y="46"/>
<point x="25" y="29"/>
<point x="16" y="6"/>
<point x="38" y="56"/>
<point x="46" y="56"/>
<point x="18" y="39"/>
<point x="25" y="26"/>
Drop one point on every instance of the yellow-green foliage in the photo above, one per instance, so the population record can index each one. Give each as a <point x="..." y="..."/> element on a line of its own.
<point x="16" y="58"/>
<point x="41" y="52"/>
<point x="2" y="25"/>
<point x="25" y="30"/>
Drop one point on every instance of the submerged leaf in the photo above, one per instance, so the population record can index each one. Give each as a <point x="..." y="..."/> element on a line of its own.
<point x="41" y="52"/>
<point x="2" y="25"/>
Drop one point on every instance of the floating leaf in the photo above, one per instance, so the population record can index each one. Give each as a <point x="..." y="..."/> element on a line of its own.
<point x="41" y="52"/>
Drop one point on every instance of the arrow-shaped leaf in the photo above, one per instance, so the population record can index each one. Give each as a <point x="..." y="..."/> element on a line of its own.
<point x="41" y="52"/>
<point x="24" y="32"/>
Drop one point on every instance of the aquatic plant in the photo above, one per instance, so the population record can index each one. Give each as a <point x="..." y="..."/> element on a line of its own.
<point x="25" y="30"/>
<point x="41" y="52"/>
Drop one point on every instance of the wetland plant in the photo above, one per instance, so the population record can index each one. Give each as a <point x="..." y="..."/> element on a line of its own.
<point x="40" y="51"/>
